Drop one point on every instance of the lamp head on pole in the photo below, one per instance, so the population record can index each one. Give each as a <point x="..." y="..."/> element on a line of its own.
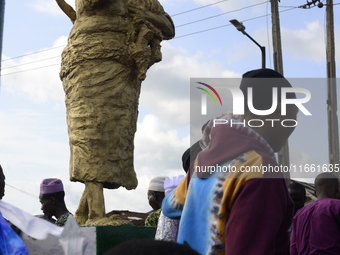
<point x="239" y="26"/>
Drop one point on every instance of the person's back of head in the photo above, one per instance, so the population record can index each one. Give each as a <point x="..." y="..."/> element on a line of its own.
<point x="156" y="192"/>
<point x="298" y="193"/>
<point x="327" y="186"/>
<point x="258" y="87"/>
<point x="150" y="247"/>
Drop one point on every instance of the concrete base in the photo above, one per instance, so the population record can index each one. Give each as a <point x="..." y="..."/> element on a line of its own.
<point x="100" y="239"/>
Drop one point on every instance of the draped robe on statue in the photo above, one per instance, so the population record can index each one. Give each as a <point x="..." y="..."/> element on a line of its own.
<point x="110" y="48"/>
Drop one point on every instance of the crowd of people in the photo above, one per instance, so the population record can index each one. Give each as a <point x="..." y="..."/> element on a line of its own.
<point x="234" y="212"/>
<point x="315" y="228"/>
<point x="250" y="212"/>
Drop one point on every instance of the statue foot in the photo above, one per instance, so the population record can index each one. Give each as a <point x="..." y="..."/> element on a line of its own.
<point x="91" y="206"/>
<point x="113" y="220"/>
<point x="81" y="218"/>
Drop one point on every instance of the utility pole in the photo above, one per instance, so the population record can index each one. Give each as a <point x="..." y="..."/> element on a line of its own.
<point x="2" y="15"/>
<point x="283" y="154"/>
<point x="333" y="130"/>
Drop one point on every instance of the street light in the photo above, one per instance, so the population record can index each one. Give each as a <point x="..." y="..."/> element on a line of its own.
<point x="239" y="26"/>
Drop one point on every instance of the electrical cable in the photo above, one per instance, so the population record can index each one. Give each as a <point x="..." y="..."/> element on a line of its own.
<point x="209" y="29"/>
<point x="171" y="16"/>
<point x="29" y="69"/>
<point x="220" y="14"/>
<point x="198" y="8"/>
<point x="34" y="53"/>
<point x="328" y="4"/>
<point x="288" y="6"/>
<point x="198" y="32"/>
<point x="30" y="62"/>
<point x="176" y="27"/>
<point x="308" y="4"/>
<point x="21" y="191"/>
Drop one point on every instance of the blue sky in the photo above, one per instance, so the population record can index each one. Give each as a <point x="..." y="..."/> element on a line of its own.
<point x="33" y="133"/>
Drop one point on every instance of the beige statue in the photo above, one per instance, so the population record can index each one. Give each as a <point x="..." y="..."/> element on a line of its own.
<point x="110" y="48"/>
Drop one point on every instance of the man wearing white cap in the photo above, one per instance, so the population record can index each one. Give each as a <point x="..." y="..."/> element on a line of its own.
<point x="155" y="197"/>
<point x="52" y="200"/>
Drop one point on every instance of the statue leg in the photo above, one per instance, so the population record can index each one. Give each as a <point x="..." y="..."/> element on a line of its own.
<point x="95" y="201"/>
<point x="91" y="206"/>
<point x="82" y="212"/>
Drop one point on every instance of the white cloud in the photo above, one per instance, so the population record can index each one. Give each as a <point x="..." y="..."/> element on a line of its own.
<point x="32" y="148"/>
<point x="304" y="43"/>
<point x="166" y="88"/>
<point x="156" y="142"/>
<point x="49" y="7"/>
<point x="307" y="43"/>
<point x="41" y="84"/>
<point x="244" y="50"/>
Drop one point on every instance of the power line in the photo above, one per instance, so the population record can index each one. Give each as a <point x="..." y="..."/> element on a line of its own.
<point x="195" y="9"/>
<point x="220" y="14"/>
<point x="30" y="62"/>
<point x="198" y="32"/>
<point x="30" y="69"/>
<point x="308" y="4"/>
<point x="320" y="4"/>
<point x="329" y="4"/>
<point x="288" y="6"/>
<point x="202" y="31"/>
<point x="171" y="16"/>
<point x="34" y="53"/>
<point x="21" y="191"/>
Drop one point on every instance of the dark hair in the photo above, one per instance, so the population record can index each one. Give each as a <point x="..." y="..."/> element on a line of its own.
<point x="59" y="196"/>
<point x="267" y="79"/>
<point x="150" y="247"/>
<point x="297" y="187"/>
